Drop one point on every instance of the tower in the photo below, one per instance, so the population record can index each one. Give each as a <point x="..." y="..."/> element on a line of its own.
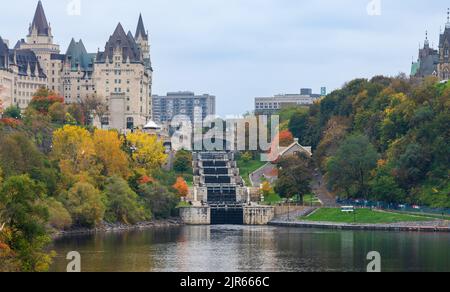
<point x="142" y="40"/>
<point x="427" y="62"/>
<point x="444" y="47"/>
<point x="40" y="41"/>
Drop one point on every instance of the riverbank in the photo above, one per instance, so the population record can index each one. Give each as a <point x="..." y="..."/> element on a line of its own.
<point x="118" y="227"/>
<point x="423" y="226"/>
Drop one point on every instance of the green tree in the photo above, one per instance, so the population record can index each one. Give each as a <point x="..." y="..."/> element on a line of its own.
<point x="294" y="177"/>
<point x="13" y="112"/>
<point x="26" y="217"/>
<point x="349" y="170"/>
<point x="84" y="203"/>
<point x="158" y="200"/>
<point x="183" y="161"/>
<point x="384" y="188"/>
<point x="122" y="203"/>
<point x="18" y="154"/>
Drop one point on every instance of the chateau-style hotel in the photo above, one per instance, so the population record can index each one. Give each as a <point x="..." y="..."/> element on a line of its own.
<point x="121" y="74"/>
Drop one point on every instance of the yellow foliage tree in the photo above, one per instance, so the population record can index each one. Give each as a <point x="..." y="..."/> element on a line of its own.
<point x="266" y="188"/>
<point x="148" y="152"/>
<point x="110" y="154"/>
<point x="74" y="148"/>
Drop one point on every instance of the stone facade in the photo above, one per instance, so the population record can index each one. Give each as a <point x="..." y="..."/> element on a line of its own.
<point x="196" y="215"/>
<point x="271" y="105"/>
<point x="432" y="62"/>
<point x="121" y="75"/>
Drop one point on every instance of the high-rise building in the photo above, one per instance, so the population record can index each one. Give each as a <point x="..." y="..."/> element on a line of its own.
<point x="121" y="75"/>
<point x="184" y="103"/>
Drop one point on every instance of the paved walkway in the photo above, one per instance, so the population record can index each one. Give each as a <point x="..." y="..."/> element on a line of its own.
<point x="293" y="216"/>
<point x="432" y="226"/>
<point x="320" y="190"/>
<point x="267" y="172"/>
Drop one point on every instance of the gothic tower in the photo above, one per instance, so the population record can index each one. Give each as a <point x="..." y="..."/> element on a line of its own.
<point x="444" y="47"/>
<point x="143" y="42"/>
<point x="40" y="41"/>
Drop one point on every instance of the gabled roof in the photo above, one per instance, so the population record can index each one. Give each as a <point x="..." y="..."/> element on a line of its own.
<point x="78" y="56"/>
<point x="27" y="60"/>
<point x="120" y="40"/>
<point x="295" y="144"/>
<point x="19" y="44"/>
<point x="4" y="54"/>
<point x="40" y="21"/>
<point x="140" y="31"/>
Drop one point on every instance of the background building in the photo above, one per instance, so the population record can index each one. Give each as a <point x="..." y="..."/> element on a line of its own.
<point x="271" y="105"/>
<point x="120" y="76"/>
<point x="432" y="62"/>
<point x="165" y="108"/>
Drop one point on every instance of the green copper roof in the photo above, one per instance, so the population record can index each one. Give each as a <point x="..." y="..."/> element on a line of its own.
<point x="79" y="57"/>
<point x="415" y="68"/>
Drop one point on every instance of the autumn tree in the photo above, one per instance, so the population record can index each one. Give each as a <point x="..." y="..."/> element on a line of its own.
<point x="43" y="99"/>
<point x="109" y="153"/>
<point x="181" y="187"/>
<point x="286" y="138"/>
<point x="147" y="152"/>
<point x="74" y="149"/>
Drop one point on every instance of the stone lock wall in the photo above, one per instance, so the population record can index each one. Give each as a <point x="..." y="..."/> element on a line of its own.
<point x="260" y="215"/>
<point x="196" y="215"/>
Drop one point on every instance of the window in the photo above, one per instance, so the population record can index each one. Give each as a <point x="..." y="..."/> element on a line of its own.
<point x="130" y="123"/>
<point x="105" y="121"/>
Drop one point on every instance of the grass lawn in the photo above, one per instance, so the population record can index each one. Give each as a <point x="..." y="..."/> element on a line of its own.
<point x="363" y="216"/>
<point x="308" y="199"/>
<point x="246" y="168"/>
<point x="272" y="199"/>
<point x="183" y="205"/>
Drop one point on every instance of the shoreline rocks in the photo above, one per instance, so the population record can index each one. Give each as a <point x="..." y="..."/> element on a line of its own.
<point x="118" y="227"/>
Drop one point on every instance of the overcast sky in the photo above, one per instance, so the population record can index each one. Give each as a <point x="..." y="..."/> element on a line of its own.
<point x="240" y="49"/>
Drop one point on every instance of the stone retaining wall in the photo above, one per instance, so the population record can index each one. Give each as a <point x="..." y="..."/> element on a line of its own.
<point x="195" y="215"/>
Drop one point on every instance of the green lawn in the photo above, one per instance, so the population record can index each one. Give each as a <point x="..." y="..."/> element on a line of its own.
<point x="246" y="168"/>
<point x="364" y="216"/>
<point x="272" y="199"/>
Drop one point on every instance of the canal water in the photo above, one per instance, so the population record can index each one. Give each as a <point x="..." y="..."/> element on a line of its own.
<point x="257" y="249"/>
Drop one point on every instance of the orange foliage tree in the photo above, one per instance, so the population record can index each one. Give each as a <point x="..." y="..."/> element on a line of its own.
<point x="43" y="99"/>
<point x="286" y="138"/>
<point x="181" y="187"/>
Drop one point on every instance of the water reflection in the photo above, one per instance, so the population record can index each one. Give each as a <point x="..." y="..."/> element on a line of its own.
<point x="246" y="248"/>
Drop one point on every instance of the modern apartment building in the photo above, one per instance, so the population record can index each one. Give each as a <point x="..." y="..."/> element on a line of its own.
<point x="185" y="103"/>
